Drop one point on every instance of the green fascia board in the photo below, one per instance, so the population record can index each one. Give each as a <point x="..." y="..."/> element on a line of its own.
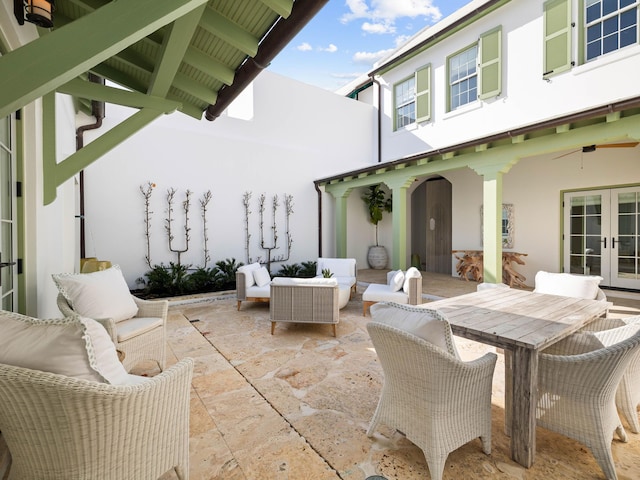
<point x="281" y="7"/>
<point x="39" y="67"/>
<point x="55" y="174"/>
<point x="440" y="37"/>
<point x="103" y="93"/>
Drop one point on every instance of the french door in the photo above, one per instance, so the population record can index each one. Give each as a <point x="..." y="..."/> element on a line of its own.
<point x="602" y="236"/>
<point x="8" y="268"/>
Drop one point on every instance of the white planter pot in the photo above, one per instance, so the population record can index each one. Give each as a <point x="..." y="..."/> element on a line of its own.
<point x="377" y="257"/>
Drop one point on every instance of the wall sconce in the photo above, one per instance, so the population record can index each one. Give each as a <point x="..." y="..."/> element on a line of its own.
<point x="39" y="12"/>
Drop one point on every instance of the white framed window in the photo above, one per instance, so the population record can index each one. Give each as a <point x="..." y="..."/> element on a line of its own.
<point x="463" y="77"/>
<point x="412" y="99"/>
<point x="609" y="25"/>
<point x="405" y="102"/>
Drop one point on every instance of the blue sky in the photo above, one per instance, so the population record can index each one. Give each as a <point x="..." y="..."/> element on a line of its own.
<point x="347" y="37"/>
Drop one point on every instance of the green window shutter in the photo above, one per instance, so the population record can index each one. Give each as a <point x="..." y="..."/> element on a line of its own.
<point x="557" y="37"/>
<point x="423" y="94"/>
<point x="490" y="63"/>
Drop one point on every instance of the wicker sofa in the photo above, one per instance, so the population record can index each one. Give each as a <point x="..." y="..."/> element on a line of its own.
<point x="307" y="300"/>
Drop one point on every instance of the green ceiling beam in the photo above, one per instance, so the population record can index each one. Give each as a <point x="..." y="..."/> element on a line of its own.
<point x="230" y="32"/>
<point x="39" y="67"/>
<point x="210" y="66"/>
<point x="175" y="43"/>
<point x="281" y="7"/>
<point x="134" y="60"/>
<point x="116" y="76"/>
<point x="103" y="93"/>
<point x="190" y="109"/>
<point x="194" y="88"/>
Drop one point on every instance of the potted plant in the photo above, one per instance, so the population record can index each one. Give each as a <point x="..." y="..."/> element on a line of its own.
<point x="377" y="203"/>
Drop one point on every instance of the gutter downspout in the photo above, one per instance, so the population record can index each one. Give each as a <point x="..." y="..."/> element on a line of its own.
<point x="282" y="32"/>
<point x="317" y="187"/>
<point x="97" y="110"/>
<point x="379" y="132"/>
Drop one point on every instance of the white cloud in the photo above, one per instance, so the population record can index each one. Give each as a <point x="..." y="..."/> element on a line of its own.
<point x="371" y="57"/>
<point x="347" y="76"/>
<point x="331" y="48"/>
<point x="386" y="12"/>
<point x="378" y="28"/>
<point x="304" y="47"/>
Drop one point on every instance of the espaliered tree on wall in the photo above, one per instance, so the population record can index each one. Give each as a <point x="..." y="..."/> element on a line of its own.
<point x="271" y="244"/>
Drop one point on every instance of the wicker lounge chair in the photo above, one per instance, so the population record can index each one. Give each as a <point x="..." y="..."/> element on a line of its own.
<point x="61" y="428"/>
<point x="577" y="392"/>
<point x="438" y="401"/>
<point x="140" y="338"/>
<point x="401" y="287"/>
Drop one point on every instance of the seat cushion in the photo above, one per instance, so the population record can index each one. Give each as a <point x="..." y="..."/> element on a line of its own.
<point x="377" y="292"/>
<point x="396" y="280"/>
<point x="259" y="292"/>
<point x="137" y="326"/>
<point x="102" y="294"/>
<point x="75" y="346"/>
<point x="420" y="322"/>
<point x="567" y="285"/>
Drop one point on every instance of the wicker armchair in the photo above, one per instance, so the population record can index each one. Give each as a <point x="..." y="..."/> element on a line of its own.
<point x="140" y="338"/>
<point x="576" y="393"/>
<point x="628" y="393"/>
<point x="62" y="428"/>
<point x="439" y="402"/>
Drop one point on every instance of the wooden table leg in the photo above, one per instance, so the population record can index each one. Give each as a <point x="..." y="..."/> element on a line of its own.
<point x="508" y="391"/>
<point x="523" y="424"/>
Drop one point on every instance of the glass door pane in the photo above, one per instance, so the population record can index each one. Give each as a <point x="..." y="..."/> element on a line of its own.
<point x="625" y="238"/>
<point x="584" y="220"/>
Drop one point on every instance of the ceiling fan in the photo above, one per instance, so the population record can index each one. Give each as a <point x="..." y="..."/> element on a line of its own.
<point x="593" y="148"/>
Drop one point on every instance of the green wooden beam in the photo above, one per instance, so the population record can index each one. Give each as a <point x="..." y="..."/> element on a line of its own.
<point x="194" y="88"/>
<point x="230" y="32"/>
<point x="118" y="96"/>
<point x="116" y="76"/>
<point x="56" y="174"/>
<point x="281" y="7"/>
<point x="208" y="65"/>
<point x="175" y="43"/>
<point x="39" y="67"/>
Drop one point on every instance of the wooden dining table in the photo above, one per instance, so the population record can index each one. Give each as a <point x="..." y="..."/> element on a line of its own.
<point x="522" y="323"/>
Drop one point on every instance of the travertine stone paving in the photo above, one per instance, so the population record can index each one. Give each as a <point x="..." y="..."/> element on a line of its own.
<point x="296" y="405"/>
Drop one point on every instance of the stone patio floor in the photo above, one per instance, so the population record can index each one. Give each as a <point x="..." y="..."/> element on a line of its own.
<point x="296" y="405"/>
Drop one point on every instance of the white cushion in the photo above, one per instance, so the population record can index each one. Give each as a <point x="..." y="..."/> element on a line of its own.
<point x="376" y="292"/>
<point x="248" y="273"/>
<point x="75" y="346"/>
<point x="412" y="272"/>
<point x="259" y="292"/>
<point x="305" y="282"/>
<point x="397" y="281"/>
<point x="340" y="267"/>
<point x="261" y="276"/>
<point x="420" y="322"/>
<point x="102" y="294"/>
<point x="133" y="327"/>
<point x="567" y="285"/>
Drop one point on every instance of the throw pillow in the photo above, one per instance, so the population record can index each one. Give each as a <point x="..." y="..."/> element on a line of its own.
<point x="102" y="294"/>
<point x="262" y="277"/>
<point x="412" y="272"/>
<point x="567" y="284"/>
<point x="249" y="281"/>
<point x="73" y="346"/>
<point x="429" y="325"/>
<point x="397" y="282"/>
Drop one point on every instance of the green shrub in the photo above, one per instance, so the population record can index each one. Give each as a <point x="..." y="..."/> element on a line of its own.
<point x="308" y="269"/>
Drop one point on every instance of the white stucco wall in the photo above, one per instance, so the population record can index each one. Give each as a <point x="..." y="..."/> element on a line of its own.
<point x="294" y="135"/>
<point x="526" y="98"/>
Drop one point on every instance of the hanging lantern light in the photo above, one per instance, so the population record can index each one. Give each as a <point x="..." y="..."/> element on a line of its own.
<point x="39" y="12"/>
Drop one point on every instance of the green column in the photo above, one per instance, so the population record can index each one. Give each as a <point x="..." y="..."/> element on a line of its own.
<point x="399" y="185"/>
<point x="492" y="233"/>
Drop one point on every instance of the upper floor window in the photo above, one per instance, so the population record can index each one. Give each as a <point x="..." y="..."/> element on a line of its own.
<point x="463" y="78"/>
<point x="405" y="102"/>
<point x="610" y="25"/>
<point x="412" y="98"/>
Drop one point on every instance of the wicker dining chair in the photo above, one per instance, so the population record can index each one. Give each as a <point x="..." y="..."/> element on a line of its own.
<point x="576" y="393"/>
<point x="140" y="338"/>
<point x="61" y="428"/>
<point x="436" y="400"/>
